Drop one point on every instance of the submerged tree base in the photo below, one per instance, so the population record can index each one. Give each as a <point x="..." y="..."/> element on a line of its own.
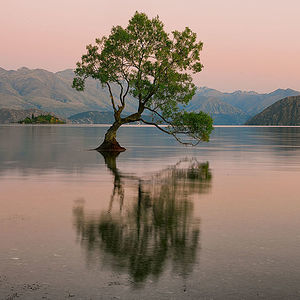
<point x="110" y="146"/>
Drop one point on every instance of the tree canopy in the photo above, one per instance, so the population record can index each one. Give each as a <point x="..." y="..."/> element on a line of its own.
<point x="154" y="67"/>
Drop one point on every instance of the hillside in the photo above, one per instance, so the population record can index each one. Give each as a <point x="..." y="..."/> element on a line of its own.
<point x="283" y="112"/>
<point x="41" y="89"/>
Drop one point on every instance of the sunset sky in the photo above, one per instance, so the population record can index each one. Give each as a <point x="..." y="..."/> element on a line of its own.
<point x="248" y="44"/>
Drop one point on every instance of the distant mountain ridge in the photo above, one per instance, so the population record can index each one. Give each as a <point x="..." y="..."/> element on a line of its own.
<point x="41" y="89"/>
<point x="284" y="112"/>
<point x="222" y="112"/>
<point x="48" y="91"/>
<point x="250" y="103"/>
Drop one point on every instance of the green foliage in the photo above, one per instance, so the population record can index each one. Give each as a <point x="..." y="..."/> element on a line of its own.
<point x="196" y="125"/>
<point x="154" y="67"/>
<point x="42" y="119"/>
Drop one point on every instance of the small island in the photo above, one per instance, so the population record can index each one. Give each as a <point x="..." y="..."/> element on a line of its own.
<point x="42" y="119"/>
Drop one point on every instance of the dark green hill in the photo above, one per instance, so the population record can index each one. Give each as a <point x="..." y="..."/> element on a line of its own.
<point x="285" y="112"/>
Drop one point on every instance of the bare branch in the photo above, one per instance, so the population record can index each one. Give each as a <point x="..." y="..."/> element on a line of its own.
<point x="156" y="125"/>
<point x="127" y="89"/>
<point x="111" y="97"/>
<point x="121" y="92"/>
<point x="158" y="114"/>
<point x="152" y="91"/>
<point x="171" y="133"/>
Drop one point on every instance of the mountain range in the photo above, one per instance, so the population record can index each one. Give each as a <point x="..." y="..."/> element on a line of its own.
<point x="41" y="89"/>
<point x="53" y="92"/>
<point x="237" y="107"/>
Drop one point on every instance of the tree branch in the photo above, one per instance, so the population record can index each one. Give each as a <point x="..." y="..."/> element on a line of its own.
<point x="121" y="92"/>
<point x="111" y="97"/>
<point x="171" y="133"/>
<point x="152" y="92"/>
<point x="131" y="118"/>
<point x="127" y="89"/>
<point x="158" y="114"/>
<point x="156" y="125"/>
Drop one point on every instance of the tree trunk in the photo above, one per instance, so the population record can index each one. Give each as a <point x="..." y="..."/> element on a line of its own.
<point x="110" y="143"/>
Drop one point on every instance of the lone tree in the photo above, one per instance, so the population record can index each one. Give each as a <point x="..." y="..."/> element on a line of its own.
<point x="155" y="68"/>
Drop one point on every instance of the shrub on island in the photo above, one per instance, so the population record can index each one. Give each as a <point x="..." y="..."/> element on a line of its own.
<point x="42" y="119"/>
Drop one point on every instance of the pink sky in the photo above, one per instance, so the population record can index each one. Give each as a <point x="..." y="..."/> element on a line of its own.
<point x="248" y="44"/>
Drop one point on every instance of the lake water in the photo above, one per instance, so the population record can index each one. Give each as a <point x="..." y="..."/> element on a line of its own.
<point x="160" y="221"/>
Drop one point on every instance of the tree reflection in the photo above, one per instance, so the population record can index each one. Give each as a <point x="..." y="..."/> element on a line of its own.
<point x="157" y="226"/>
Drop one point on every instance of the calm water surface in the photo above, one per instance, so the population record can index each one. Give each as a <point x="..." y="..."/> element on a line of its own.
<point x="159" y="221"/>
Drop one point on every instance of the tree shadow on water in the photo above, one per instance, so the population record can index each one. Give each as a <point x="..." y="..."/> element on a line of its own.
<point x="156" y="229"/>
